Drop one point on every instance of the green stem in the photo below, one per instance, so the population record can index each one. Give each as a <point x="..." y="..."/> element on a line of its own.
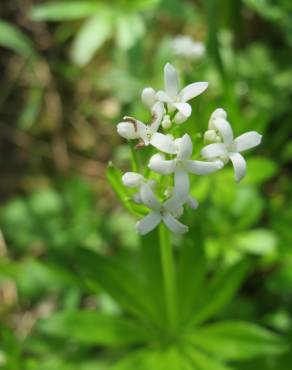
<point x="135" y="161"/>
<point x="168" y="270"/>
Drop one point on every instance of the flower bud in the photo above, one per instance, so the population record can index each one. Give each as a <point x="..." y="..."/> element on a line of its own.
<point x="210" y="136"/>
<point x="166" y="122"/>
<point x="132" y="179"/>
<point x="179" y="118"/>
<point x="127" y="130"/>
<point x="148" y="97"/>
<point x="218" y="113"/>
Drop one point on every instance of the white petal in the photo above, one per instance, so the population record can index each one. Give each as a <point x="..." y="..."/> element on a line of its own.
<point x="170" y="80"/>
<point x="128" y="130"/>
<point x="192" y="202"/>
<point x="185" y="147"/>
<point x="218" y="113"/>
<point x="224" y="129"/>
<point x="191" y="91"/>
<point x="163" y="97"/>
<point x="247" y="141"/>
<point x="179" y="118"/>
<point x="132" y="179"/>
<point x="148" y="96"/>
<point x="174" y="225"/>
<point x="214" y="150"/>
<point x="148" y="223"/>
<point x="181" y="186"/>
<point x="239" y="165"/>
<point x="157" y="115"/>
<point x="184" y="108"/>
<point x="163" y="143"/>
<point x="203" y="168"/>
<point x="148" y="197"/>
<point x="158" y="164"/>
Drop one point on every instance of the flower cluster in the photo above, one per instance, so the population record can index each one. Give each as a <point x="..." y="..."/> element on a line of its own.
<point x="174" y="157"/>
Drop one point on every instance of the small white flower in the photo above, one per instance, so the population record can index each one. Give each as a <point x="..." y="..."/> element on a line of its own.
<point x="132" y="179"/>
<point x="230" y="148"/>
<point x="148" y="97"/>
<point x="160" y="212"/>
<point x="135" y="129"/>
<point x="176" y="99"/>
<point x="136" y="180"/>
<point x="182" y="164"/>
<point x="185" y="47"/>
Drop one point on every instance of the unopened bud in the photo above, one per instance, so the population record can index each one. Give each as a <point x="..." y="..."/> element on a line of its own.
<point x="166" y="122"/>
<point x="132" y="179"/>
<point x="127" y="130"/>
<point x="148" y="97"/>
<point x="179" y="118"/>
<point x="210" y="136"/>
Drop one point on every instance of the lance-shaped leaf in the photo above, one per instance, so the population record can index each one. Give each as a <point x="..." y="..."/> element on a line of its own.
<point x="219" y="292"/>
<point x="119" y="281"/>
<point x="202" y="361"/>
<point x="130" y="28"/>
<point x="64" y="10"/>
<point x="91" y="37"/>
<point x="114" y="176"/>
<point x="190" y="276"/>
<point x="236" y="340"/>
<point x="12" y="38"/>
<point x="94" y="328"/>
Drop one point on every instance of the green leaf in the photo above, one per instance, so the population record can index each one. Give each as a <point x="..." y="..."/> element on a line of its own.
<point x="114" y="176"/>
<point x="167" y="359"/>
<point x="64" y="10"/>
<point x="91" y="37"/>
<point x="219" y="292"/>
<point x="258" y="242"/>
<point x="236" y="340"/>
<point x="202" y="361"/>
<point x="12" y="38"/>
<point x="123" y="284"/>
<point x="260" y="170"/>
<point x="91" y="327"/>
<point x="130" y="28"/>
<point x="190" y="276"/>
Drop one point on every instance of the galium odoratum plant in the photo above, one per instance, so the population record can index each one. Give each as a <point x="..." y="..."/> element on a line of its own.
<point x="169" y="305"/>
<point x="166" y="199"/>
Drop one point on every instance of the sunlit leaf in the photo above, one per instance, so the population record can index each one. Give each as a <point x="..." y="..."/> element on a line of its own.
<point x="259" y="242"/>
<point x="91" y="37"/>
<point x="130" y="28"/>
<point x="64" y="10"/>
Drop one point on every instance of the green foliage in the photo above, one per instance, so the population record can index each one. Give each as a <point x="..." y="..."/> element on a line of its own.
<point x="78" y="289"/>
<point x="13" y="38"/>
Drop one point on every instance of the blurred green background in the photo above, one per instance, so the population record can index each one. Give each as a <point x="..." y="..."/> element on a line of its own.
<point x="70" y="70"/>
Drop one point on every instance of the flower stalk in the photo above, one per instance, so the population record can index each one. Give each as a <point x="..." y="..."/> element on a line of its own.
<point x="169" y="279"/>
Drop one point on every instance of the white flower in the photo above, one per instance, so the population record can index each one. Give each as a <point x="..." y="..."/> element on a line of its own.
<point x="230" y="148"/>
<point x="185" y="47"/>
<point x="148" y="97"/>
<point x="132" y="128"/>
<point x="176" y="99"/>
<point x="136" y="180"/>
<point x="160" y="212"/>
<point x="182" y="164"/>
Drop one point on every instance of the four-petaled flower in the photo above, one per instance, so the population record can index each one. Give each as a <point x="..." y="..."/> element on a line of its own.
<point x="182" y="164"/>
<point x="132" y="128"/>
<point x="166" y="212"/>
<point x="229" y="148"/>
<point x="176" y="99"/>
